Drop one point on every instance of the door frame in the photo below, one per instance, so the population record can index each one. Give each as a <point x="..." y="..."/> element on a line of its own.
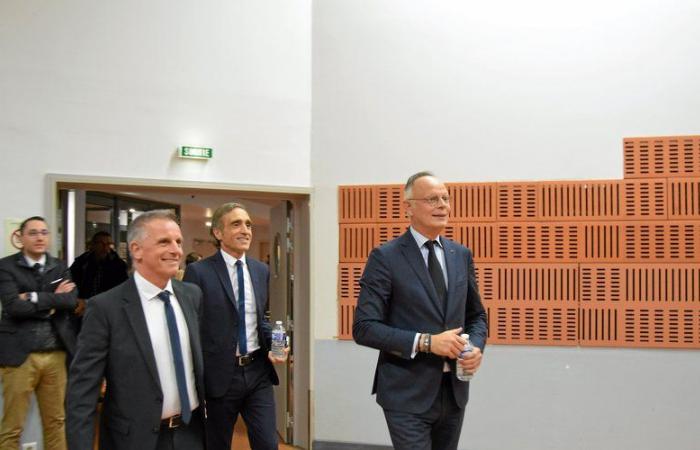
<point x="302" y="198"/>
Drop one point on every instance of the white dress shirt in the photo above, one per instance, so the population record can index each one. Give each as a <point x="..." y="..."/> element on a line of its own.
<point x="251" y="309"/>
<point x="440" y="254"/>
<point x="33" y="296"/>
<point x="154" y="310"/>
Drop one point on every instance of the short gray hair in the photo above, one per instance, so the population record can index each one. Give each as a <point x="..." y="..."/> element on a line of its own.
<point x="219" y="214"/>
<point x="408" y="189"/>
<point x="137" y="228"/>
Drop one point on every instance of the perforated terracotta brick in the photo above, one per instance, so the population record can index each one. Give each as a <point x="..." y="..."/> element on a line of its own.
<point x="545" y="283"/>
<point x="346" y="314"/>
<point x="664" y="156"/>
<point x="356" y="204"/>
<point x="684" y="198"/>
<point x="356" y="241"/>
<point x="523" y="323"/>
<point x="641" y="241"/>
<point x="640" y="305"/>
<point x="588" y="262"/>
<point x="389" y="201"/>
<point x="472" y="202"/>
<point x="517" y="201"/>
<point x="538" y="242"/>
<point x="349" y="275"/>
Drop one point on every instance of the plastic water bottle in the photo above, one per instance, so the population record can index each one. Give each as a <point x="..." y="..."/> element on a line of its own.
<point x="279" y="340"/>
<point x="462" y="374"/>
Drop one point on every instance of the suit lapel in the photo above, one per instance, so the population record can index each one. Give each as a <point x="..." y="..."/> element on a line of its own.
<point x="224" y="277"/>
<point x="412" y="253"/>
<point x="192" y="326"/>
<point x="256" y="276"/>
<point x="137" y="320"/>
<point x="451" y="261"/>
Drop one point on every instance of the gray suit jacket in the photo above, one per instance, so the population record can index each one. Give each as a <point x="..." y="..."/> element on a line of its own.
<point x="397" y="300"/>
<point x="114" y="342"/>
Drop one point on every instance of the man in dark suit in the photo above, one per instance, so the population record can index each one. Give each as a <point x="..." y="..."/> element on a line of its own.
<point x="143" y="338"/>
<point x="235" y="335"/>
<point x="36" y="336"/>
<point x="418" y="293"/>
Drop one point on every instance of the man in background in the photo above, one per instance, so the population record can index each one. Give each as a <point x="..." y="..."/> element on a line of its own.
<point x="36" y="336"/>
<point x="100" y="268"/>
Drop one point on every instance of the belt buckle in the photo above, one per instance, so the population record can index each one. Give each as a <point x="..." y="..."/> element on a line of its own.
<point x="174" y="421"/>
<point x="244" y="360"/>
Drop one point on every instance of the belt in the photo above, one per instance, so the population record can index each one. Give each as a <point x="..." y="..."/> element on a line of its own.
<point x="172" y="422"/>
<point x="244" y="360"/>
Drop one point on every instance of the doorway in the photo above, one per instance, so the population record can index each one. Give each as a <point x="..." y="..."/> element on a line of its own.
<point x="280" y="239"/>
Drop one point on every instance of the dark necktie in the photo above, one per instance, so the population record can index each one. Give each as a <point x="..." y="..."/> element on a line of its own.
<point x="38" y="272"/>
<point x="436" y="272"/>
<point x="176" y="348"/>
<point x="242" y="343"/>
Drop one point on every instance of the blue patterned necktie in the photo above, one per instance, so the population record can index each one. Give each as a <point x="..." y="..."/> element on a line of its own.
<point x="185" y="409"/>
<point x="242" y="340"/>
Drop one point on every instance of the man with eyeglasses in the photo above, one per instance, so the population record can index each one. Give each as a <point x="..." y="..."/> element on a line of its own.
<point x="418" y="293"/>
<point x="36" y="336"/>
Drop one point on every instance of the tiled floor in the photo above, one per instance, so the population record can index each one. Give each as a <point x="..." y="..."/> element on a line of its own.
<point x="240" y="438"/>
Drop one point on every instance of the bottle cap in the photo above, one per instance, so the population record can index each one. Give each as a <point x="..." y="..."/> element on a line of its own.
<point x="278" y="322"/>
<point x="465" y="336"/>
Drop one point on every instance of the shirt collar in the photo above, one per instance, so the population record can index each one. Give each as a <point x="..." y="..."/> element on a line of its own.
<point x="31" y="262"/>
<point x="230" y="260"/>
<point x="421" y="240"/>
<point x="148" y="289"/>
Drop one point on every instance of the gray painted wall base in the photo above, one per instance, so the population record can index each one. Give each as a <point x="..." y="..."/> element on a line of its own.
<point x="532" y="398"/>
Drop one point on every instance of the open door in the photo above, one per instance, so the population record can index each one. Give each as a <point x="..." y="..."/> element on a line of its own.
<point x="281" y="308"/>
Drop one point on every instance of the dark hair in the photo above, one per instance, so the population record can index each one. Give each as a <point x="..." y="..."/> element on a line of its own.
<point x="220" y="212"/>
<point x="408" y="188"/>
<point x="192" y="257"/>
<point x="98" y="235"/>
<point x="23" y="225"/>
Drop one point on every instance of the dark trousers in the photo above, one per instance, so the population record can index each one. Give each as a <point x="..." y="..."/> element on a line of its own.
<point x="436" y="429"/>
<point x="250" y="394"/>
<point x="185" y="437"/>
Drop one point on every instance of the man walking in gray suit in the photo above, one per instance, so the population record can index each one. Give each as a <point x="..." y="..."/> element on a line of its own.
<point x="143" y="337"/>
<point x="417" y="294"/>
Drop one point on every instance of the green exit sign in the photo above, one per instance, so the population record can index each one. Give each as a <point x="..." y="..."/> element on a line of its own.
<point x="195" y="152"/>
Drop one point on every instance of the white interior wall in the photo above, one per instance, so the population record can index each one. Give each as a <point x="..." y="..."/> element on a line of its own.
<point x="112" y="89"/>
<point x="498" y="91"/>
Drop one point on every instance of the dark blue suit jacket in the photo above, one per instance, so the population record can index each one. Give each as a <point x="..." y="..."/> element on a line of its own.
<point x="220" y="323"/>
<point x="397" y="300"/>
<point x="114" y="343"/>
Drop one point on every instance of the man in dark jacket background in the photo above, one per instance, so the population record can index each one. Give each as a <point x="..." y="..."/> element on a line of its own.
<point x="36" y="336"/>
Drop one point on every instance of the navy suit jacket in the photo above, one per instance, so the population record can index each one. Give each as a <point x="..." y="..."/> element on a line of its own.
<point x="220" y="323"/>
<point x="115" y="343"/>
<point x="397" y="300"/>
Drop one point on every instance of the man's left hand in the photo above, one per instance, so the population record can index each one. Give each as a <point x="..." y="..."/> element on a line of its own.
<point x="471" y="361"/>
<point x="276" y="360"/>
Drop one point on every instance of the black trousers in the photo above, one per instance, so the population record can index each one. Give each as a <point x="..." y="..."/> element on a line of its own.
<point x="185" y="437"/>
<point x="251" y="395"/>
<point x="436" y="429"/>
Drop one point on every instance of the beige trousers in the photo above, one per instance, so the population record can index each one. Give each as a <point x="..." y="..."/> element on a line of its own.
<point x="43" y="373"/>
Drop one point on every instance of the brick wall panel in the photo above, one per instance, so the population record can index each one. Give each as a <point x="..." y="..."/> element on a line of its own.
<point x="356" y="204"/>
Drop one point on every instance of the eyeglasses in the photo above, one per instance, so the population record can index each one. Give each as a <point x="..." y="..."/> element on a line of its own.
<point x="435" y="200"/>
<point x="36" y="233"/>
